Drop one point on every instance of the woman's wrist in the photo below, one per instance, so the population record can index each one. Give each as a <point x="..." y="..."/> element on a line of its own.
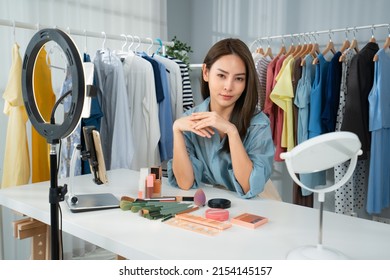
<point x="232" y="130"/>
<point x="175" y="128"/>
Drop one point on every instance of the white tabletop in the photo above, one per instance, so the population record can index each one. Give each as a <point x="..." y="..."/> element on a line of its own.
<point x="134" y="237"/>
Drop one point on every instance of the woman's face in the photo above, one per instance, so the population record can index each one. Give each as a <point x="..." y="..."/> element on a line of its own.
<point x="227" y="80"/>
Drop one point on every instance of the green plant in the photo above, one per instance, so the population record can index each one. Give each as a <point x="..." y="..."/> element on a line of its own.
<point x="180" y="50"/>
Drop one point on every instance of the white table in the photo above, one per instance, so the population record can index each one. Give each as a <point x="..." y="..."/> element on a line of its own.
<point x="134" y="237"/>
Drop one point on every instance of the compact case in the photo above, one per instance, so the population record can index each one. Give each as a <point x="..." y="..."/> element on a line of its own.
<point x="249" y="220"/>
<point x="221" y="203"/>
<point x="217" y="214"/>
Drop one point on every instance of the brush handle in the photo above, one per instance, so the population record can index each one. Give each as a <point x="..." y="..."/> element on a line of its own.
<point x="170" y="216"/>
<point x="184" y="198"/>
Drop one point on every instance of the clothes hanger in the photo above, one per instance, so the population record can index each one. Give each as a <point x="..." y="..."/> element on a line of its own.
<point x="354" y="43"/>
<point x="150" y="47"/>
<point x="51" y="51"/>
<point x="291" y="49"/>
<point x="259" y="49"/>
<point x="122" y="54"/>
<point x="297" y="48"/>
<point x="282" y="50"/>
<point x="139" y="43"/>
<point x="129" y="50"/>
<point x="305" y="47"/>
<point x="159" y="47"/>
<point x="251" y="46"/>
<point x="124" y="45"/>
<point x="353" y="46"/>
<point x="307" y="51"/>
<point x="14" y="31"/>
<point x="85" y="41"/>
<point x="316" y="49"/>
<point x="268" y="51"/>
<point x="311" y="45"/>
<point x="329" y="47"/>
<point x="372" y="39"/>
<point x="346" y="44"/>
<point x="387" y="41"/>
<point x="312" y="49"/>
<point x="259" y="52"/>
<point x="386" y="45"/>
<point x="104" y="42"/>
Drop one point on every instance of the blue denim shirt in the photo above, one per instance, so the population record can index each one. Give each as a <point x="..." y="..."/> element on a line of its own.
<point x="212" y="165"/>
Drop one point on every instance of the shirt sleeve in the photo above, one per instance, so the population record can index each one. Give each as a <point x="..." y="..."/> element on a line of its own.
<point x="197" y="165"/>
<point x="260" y="148"/>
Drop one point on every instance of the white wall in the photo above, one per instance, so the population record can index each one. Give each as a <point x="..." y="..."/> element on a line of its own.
<point x="212" y="20"/>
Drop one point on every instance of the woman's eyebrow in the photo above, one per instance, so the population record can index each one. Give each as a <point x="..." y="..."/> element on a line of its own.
<point x="226" y="72"/>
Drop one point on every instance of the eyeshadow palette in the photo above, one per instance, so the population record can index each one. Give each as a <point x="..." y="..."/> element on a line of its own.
<point x="249" y="220"/>
<point x="198" y="224"/>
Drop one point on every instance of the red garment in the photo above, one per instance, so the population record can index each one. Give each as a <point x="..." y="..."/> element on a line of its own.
<point x="268" y="104"/>
<point x="277" y="114"/>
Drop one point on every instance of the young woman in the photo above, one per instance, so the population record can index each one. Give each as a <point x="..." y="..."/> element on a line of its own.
<point x="225" y="140"/>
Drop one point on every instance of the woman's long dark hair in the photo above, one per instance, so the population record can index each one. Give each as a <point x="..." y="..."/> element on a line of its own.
<point x="245" y="107"/>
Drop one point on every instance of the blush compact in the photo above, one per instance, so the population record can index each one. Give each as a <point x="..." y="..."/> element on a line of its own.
<point x="221" y="203"/>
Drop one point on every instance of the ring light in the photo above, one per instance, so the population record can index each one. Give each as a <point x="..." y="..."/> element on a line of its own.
<point x="51" y="131"/>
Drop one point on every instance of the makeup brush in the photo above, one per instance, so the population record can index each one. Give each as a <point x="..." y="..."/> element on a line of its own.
<point x="199" y="198"/>
<point x="169" y="198"/>
<point x="172" y="215"/>
<point x="184" y="198"/>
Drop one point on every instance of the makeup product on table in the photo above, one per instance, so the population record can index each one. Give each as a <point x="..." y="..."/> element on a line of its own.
<point x="204" y="221"/>
<point x="156" y="209"/>
<point x="198" y="228"/>
<point x="149" y="185"/>
<point x="217" y="214"/>
<point x="249" y="220"/>
<point x="144" y="172"/>
<point x="157" y="171"/>
<point x="188" y="210"/>
<point x="161" y="199"/>
<point x="221" y="203"/>
<point x="127" y="198"/>
<point x="169" y="198"/>
<point x="200" y="198"/>
<point x="198" y="224"/>
<point x="184" y="198"/>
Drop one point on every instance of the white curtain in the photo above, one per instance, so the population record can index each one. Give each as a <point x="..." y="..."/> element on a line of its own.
<point x="143" y="18"/>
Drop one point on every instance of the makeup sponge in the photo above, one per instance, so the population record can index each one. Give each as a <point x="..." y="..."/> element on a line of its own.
<point x="200" y="198"/>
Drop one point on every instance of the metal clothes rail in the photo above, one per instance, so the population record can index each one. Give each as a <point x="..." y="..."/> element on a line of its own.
<point x="329" y="31"/>
<point x="101" y="35"/>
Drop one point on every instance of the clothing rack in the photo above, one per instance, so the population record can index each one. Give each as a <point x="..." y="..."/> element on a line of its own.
<point x="329" y="31"/>
<point x="195" y="65"/>
<point x="102" y="35"/>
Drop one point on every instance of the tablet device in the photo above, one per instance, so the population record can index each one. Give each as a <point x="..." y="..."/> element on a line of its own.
<point x="91" y="202"/>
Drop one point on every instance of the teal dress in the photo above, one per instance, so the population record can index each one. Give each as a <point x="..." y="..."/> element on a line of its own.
<point x="213" y="166"/>
<point x="316" y="127"/>
<point x="378" y="196"/>
<point x="302" y="98"/>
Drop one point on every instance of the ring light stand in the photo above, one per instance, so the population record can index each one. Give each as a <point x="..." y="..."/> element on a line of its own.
<point x="51" y="131"/>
